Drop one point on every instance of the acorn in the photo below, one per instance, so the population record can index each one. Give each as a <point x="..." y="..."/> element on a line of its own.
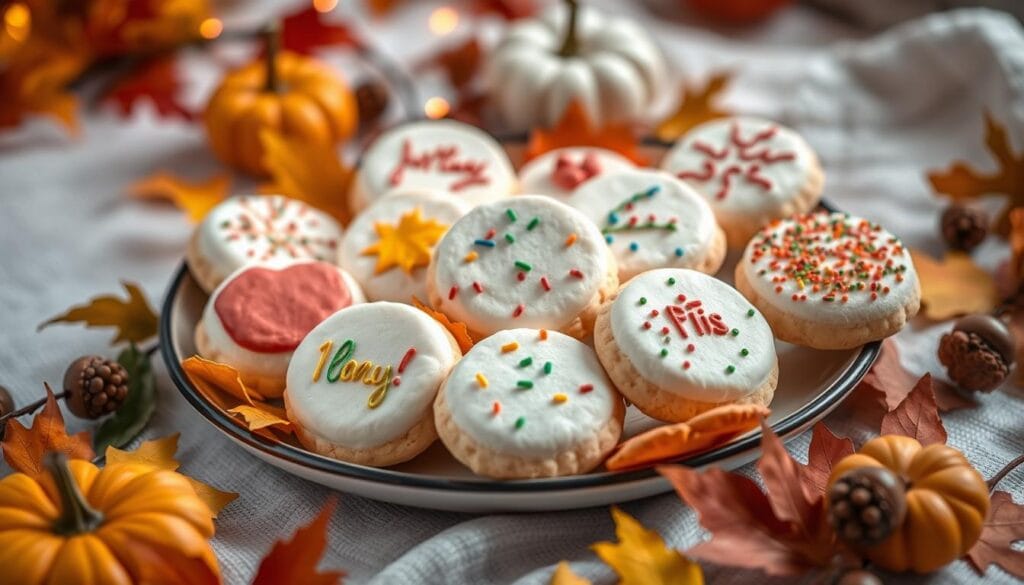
<point x="963" y="228"/>
<point x="865" y="505"/>
<point x="95" y="386"/>
<point x="978" y="353"/>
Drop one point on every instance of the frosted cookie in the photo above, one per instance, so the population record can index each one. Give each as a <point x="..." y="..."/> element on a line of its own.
<point x="526" y="403"/>
<point x="523" y="262"/>
<point x="259" y="229"/>
<point x="558" y="172"/>
<point x="750" y="170"/>
<point x="361" y="384"/>
<point x="443" y="155"/>
<point x="650" y="220"/>
<point x="388" y="246"/>
<point x="829" y="280"/>
<point x="677" y="342"/>
<point x="258" y="315"/>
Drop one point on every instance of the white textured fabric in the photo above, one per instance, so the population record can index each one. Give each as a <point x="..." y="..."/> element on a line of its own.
<point x="879" y="111"/>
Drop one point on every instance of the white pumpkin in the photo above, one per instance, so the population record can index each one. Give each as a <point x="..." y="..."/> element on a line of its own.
<point x="607" y="63"/>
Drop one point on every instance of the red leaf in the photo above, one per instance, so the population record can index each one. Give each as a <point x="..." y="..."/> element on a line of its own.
<point x="791" y="499"/>
<point x="1004" y="526"/>
<point x="508" y="9"/>
<point x="305" y="31"/>
<point x="295" y="561"/>
<point x="460" y="63"/>
<point x="155" y="79"/>
<point x="24" y="448"/>
<point x="825" y="451"/>
<point x="888" y="378"/>
<point x="917" y="416"/>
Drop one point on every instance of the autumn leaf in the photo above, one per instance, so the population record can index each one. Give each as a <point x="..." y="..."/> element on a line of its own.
<point x="953" y="286"/>
<point x="825" y="451"/>
<point x="1003" y="528"/>
<point x="34" y="82"/>
<point x="138" y="407"/>
<point x="576" y="129"/>
<point x="695" y="107"/>
<point x="460" y="63"/>
<point x="1016" y="240"/>
<point x="458" y="329"/>
<point x="507" y="9"/>
<point x="891" y="383"/>
<point x="305" y="31"/>
<point x="962" y="182"/>
<point x="295" y="561"/>
<point x="24" y="448"/>
<point x="381" y="8"/>
<point x="214" y="377"/>
<point x="640" y="557"/>
<point x="917" y="416"/>
<point x="133" y="317"/>
<point x="563" y="575"/>
<point x="306" y="172"/>
<point x="155" y="80"/>
<point x="195" y="199"/>
<point x="262" y="415"/>
<point x="792" y="500"/>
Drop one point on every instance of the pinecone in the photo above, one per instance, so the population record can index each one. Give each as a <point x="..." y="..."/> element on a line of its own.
<point x="95" y="386"/>
<point x="963" y="228"/>
<point x="865" y="505"/>
<point x="978" y="353"/>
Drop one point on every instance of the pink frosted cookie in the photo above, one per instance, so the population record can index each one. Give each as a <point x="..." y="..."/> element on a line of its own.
<point x="259" y="229"/>
<point x="650" y="220"/>
<point x="441" y="155"/>
<point x="559" y="172"/>
<point x="526" y="403"/>
<point x="258" y="315"/>
<point x="677" y="342"/>
<point x="525" y="261"/>
<point x="750" y="170"/>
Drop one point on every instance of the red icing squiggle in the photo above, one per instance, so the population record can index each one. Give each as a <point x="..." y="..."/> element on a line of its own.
<point x="752" y="161"/>
<point x="443" y="159"/>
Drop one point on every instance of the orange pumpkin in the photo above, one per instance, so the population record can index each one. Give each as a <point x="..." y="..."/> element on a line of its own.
<point x="296" y="96"/>
<point x="123" y="524"/>
<point x="947" y="502"/>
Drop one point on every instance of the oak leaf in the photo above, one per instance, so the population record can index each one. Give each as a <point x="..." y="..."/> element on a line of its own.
<point x="825" y="451"/>
<point x="917" y="416"/>
<point x="295" y="560"/>
<point x="953" y="286"/>
<point x="195" y="199"/>
<point x="962" y="182"/>
<point x="305" y="30"/>
<point x="458" y="329"/>
<point x="576" y="129"/>
<point x="24" y="448"/>
<point x="133" y="317"/>
<point x="156" y="80"/>
<point x="696" y="106"/>
<point x="1003" y="528"/>
<point x="563" y="575"/>
<point x="640" y="556"/>
<point x="310" y="173"/>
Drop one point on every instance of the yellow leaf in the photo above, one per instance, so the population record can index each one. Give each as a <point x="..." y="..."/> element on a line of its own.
<point x="563" y="575"/>
<point x="310" y="173"/>
<point x="35" y="79"/>
<point x="695" y="108"/>
<point x="212" y="377"/>
<point x="133" y="317"/>
<point x="263" y="415"/>
<point x="407" y="244"/>
<point x="640" y="557"/>
<point x="953" y="286"/>
<point x="195" y="199"/>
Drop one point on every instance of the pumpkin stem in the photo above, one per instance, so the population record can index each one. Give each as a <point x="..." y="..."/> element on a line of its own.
<point x="998" y="477"/>
<point x="77" y="516"/>
<point x="569" y="42"/>
<point x="272" y="43"/>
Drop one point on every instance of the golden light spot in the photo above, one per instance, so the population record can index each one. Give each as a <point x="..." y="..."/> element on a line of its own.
<point x="443" y="20"/>
<point x="17" y="21"/>
<point x="211" y="28"/>
<point x="324" y="5"/>
<point x="436" y="108"/>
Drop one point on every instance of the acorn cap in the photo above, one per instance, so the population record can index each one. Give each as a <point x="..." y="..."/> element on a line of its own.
<point x="993" y="332"/>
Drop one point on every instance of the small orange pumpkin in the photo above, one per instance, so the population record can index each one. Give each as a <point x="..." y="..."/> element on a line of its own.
<point x="123" y="524"/>
<point x="947" y="502"/>
<point x="294" y="95"/>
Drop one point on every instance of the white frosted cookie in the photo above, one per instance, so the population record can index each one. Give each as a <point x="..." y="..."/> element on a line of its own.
<point x="522" y="262"/>
<point x="558" y="172"/>
<point x="388" y="246"/>
<point x="677" y="342"/>
<point x="442" y="155"/>
<point x="259" y="315"/>
<point x="361" y="384"/>
<point x="750" y="170"/>
<point x="829" y="280"/>
<point x="259" y="229"/>
<point x="650" y="220"/>
<point x="526" y="403"/>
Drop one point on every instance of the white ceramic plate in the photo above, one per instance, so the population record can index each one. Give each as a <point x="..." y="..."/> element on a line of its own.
<point x="811" y="384"/>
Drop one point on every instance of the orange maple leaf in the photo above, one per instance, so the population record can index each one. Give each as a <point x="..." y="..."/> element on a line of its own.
<point x="296" y="560"/>
<point x="310" y="173"/>
<point x="222" y="387"/>
<point x="961" y="181"/>
<point x="24" y="448"/>
<point x="576" y="129"/>
<point x="195" y="199"/>
<point x="640" y="557"/>
<point x="953" y="286"/>
<point x="35" y="79"/>
<point x="458" y="329"/>
<point x="695" y="107"/>
<point x="133" y="317"/>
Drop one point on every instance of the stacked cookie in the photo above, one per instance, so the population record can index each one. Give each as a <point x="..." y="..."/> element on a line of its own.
<point x="585" y="281"/>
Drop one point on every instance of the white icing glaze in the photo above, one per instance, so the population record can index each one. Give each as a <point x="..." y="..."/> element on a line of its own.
<point x="778" y="166"/>
<point x="707" y="379"/>
<point x="548" y="427"/>
<point x="688" y="225"/>
<point x="859" y="307"/>
<point x="543" y="248"/>
<point x="394" y="284"/>
<point x="537" y="177"/>
<point x="383" y="332"/>
<point x="266" y="229"/>
<point x="493" y="180"/>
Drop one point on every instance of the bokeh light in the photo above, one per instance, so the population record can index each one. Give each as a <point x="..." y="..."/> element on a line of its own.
<point x="443" y="20"/>
<point x="211" y="28"/>
<point x="17" y="21"/>
<point x="324" y="5"/>
<point x="436" y="108"/>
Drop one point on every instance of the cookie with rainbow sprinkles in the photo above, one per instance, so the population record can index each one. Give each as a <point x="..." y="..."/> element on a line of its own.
<point x="829" y="280"/>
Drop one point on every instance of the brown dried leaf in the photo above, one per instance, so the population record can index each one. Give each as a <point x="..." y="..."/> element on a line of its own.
<point x="953" y="286"/>
<point x="917" y="416"/>
<point x="1004" y="527"/>
<point x="825" y="451"/>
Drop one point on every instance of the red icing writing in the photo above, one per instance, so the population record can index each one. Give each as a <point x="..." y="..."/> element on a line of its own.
<point x="443" y="159"/>
<point x="569" y="174"/>
<point x="271" y="311"/>
<point x="691" y="315"/>
<point x="751" y="161"/>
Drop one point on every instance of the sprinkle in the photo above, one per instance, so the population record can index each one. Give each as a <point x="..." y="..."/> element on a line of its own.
<point x="520" y="422"/>
<point x="547" y="367"/>
<point x="490" y="234"/>
<point x="664" y="352"/>
<point x="510" y="346"/>
<point x="495" y="408"/>
<point x="670" y="281"/>
<point x="609" y="238"/>
<point x="521" y="276"/>
<point x="686" y="365"/>
<point x="545" y="283"/>
<point x="471" y="257"/>
<point x="453" y="291"/>
<point x="411" y="353"/>
<point x="576" y="272"/>
<point x="518" y="311"/>
<point x="570" y="240"/>
<point x="525" y="362"/>
<point x="681" y="298"/>
<point x="488" y="243"/>
<point x="586" y="388"/>
<point x="527" y="384"/>
<point x="559" y="398"/>
<point x="633" y="246"/>
<point x="744" y="352"/>
<point x="511" y="213"/>
<point x="510" y="238"/>
<point x="679" y="252"/>
<point x="479" y="288"/>
<point x="750" y="313"/>
<point x="643" y="300"/>
<point x="730" y="369"/>
<point x="543" y="334"/>
<point x="734" y="332"/>
<point x="647" y="324"/>
<point x="691" y="348"/>
<point x="396" y="381"/>
<point x="481" y="380"/>
<point x="523" y="266"/>
<point x="533" y="223"/>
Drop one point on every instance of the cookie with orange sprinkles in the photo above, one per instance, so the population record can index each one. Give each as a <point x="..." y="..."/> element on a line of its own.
<point x="829" y="280"/>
